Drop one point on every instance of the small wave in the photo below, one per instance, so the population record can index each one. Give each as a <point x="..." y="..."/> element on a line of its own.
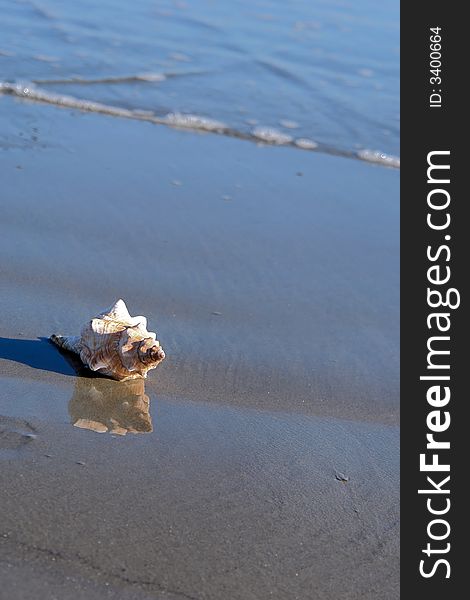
<point x="306" y="144"/>
<point x="30" y="92"/>
<point x="288" y="124"/>
<point x="280" y="71"/>
<point x="185" y="121"/>
<point x="173" y="119"/>
<point x="45" y="58"/>
<point x="266" y="135"/>
<point x="146" y="77"/>
<point x="380" y="158"/>
<point x="112" y="79"/>
<point x="271" y="136"/>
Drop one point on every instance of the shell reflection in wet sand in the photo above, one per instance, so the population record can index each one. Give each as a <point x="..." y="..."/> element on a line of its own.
<point x="104" y="405"/>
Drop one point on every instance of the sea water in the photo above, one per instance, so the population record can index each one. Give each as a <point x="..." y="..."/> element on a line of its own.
<point x="321" y="75"/>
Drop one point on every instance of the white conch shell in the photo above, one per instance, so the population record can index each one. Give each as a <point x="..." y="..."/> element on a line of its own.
<point x="115" y="344"/>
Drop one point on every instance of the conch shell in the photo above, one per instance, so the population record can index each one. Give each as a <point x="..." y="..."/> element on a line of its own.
<point x="115" y="344"/>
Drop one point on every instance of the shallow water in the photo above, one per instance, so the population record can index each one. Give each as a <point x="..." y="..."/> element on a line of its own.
<point x="318" y="72"/>
<point x="269" y="277"/>
<point x="261" y="458"/>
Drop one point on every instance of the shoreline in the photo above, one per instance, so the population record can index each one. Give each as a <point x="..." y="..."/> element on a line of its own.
<point x="267" y="136"/>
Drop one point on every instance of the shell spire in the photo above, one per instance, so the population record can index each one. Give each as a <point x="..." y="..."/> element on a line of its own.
<point x="115" y="344"/>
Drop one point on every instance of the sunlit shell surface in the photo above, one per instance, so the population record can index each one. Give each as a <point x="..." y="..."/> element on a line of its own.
<point x="115" y="344"/>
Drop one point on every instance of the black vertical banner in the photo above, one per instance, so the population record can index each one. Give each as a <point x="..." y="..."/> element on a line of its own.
<point x="435" y="240"/>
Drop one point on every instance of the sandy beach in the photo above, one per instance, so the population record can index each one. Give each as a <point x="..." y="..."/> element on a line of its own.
<point x="261" y="458"/>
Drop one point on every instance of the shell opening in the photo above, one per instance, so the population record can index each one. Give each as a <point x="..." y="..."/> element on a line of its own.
<point x="150" y="351"/>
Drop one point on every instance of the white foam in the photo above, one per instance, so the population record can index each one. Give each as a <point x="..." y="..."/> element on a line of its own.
<point x="271" y="136"/>
<point x="189" y="121"/>
<point x="305" y="144"/>
<point x="374" y="156"/>
<point x="186" y="121"/>
<point x="33" y="93"/>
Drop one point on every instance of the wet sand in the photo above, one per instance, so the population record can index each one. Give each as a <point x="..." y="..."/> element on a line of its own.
<point x="261" y="458"/>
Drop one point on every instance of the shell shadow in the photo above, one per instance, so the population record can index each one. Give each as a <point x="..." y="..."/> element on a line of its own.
<point x="98" y="402"/>
<point x="38" y="354"/>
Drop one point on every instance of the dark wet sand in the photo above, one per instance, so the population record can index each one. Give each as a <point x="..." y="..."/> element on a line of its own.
<point x="271" y="276"/>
